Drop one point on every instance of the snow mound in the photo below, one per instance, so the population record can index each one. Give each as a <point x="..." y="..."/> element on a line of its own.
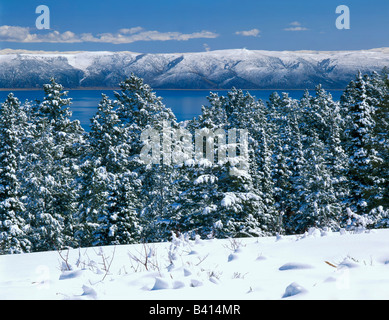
<point x="293" y="289"/>
<point x="294" y="266"/>
<point x="70" y="274"/>
<point x="160" y="284"/>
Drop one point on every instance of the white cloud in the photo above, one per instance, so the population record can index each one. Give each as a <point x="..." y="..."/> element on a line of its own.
<point x="9" y="33"/>
<point x="295" y="23"/>
<point x="131" y="30"/>
<point x="295" y="26"/>
<point x="23" y="34"/>
<point x="249" y="33"/>
<point x="296" y="29"/>
<point x="130" y="36"/>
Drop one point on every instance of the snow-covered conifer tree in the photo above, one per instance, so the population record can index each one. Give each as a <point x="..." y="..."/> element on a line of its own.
<point x="360" y="145"/>
<point x="139" y="109"/>
<point x="51" y="183"/>
<point x="13" y="227"/>
<point x="107" y="212"/>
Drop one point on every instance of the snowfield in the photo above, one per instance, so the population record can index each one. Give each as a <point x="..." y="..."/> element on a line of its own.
<point x="315" y="265"/>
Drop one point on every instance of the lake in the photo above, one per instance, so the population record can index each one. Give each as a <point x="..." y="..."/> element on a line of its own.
<point x="185" y="104"/>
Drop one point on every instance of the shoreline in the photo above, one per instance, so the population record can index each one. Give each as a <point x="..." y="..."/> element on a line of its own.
<point x="164" y="89"/>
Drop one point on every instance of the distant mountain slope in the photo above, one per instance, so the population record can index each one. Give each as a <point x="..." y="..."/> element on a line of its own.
<point x="204" y="70"/>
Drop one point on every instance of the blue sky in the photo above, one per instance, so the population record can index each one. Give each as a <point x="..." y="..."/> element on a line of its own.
<point x="152" y="26"/>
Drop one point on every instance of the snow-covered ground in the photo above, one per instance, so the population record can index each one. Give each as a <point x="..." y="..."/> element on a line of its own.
<point x="316" y="265"/>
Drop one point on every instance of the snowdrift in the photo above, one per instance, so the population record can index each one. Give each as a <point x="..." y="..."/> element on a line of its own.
<point x="316" y="265"/>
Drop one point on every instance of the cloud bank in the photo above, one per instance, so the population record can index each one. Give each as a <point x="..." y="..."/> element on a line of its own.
<point x="130" y="35"/>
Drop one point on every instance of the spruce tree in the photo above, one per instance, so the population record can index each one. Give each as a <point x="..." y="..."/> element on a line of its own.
<point x="106" y="213"/>
<point x="139" y="109"/>
<point x="360" y="146"/>
<point x="230" y="203"/>
<point x="319" y="206"/>
<point x="196" y="201"/>
<point x="198" y="193"/>
<point x="322" y="125"/>
<point x="334" y="154"/>
<point x="53" y="171"/>
<point x="13" y="226"/>
<point x="244" y="111"/>
<point x="288" y="157"/>
<point x="379" y="88"/>
<point x="296" y="162"/>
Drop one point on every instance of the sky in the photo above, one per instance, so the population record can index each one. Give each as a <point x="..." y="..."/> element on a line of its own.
<point x="155" y="26"/>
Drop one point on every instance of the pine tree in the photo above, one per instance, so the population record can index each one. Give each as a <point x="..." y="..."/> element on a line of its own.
<point x="334" y="153"/>
<point x="225" y="200"/>
<point x="267" y="184"/>
<point x="159" y="193"/>
<point x="53" y="171"/>
<point x="244" y="111"/>
<point x="196" y="201"/>
<point x="198" y="190"/>
<point x="122" y="221"/>
<point x="319" y="206"/>
<point x="322" y="125"/>
<point x="379" y="88"/>
<point x="13" y="227"/>
<point x="360" y="146"/>
<point x="288" y="157"/>
<point x="280" y="172"/>
<point x="139" y="109"/>
<point x="296" y="162"/>
<point x="103" y="165"/>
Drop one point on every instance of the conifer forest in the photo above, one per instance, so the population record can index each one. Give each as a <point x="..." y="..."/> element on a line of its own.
<point x="313" y="162"/>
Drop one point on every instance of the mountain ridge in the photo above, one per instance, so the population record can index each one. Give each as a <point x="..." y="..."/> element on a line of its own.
<point x="220" y="69"/>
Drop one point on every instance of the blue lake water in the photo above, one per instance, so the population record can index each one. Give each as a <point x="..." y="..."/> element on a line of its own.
<point x="186" y="104"/>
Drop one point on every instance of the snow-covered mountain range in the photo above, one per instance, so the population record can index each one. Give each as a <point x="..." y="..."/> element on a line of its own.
<point x="221" y="69"/>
